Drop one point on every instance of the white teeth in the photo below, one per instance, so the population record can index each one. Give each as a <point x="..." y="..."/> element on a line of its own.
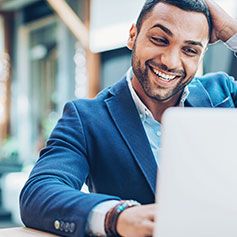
<point x="163" y="75"/>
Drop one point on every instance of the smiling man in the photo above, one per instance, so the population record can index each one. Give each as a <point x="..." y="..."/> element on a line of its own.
<point x="166" y="52"/>
<point x="112" y="142"/>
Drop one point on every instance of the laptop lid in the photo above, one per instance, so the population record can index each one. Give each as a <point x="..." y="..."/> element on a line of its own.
<point x="197" y="179"/>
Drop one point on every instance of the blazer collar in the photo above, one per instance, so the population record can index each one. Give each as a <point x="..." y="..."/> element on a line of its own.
<point x="125" y="115"/>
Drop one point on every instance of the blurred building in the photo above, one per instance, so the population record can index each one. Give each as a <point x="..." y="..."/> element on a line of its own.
<point x="46" y="65"/>
<point x="42" y="72"/>
<point x="52" y="51"/>
<point x="45" y="62"/>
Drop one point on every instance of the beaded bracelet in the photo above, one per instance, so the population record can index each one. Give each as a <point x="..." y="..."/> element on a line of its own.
<point x="111" y="217"/>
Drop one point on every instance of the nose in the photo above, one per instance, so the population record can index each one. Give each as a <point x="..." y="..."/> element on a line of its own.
<point x="171" y="59"/>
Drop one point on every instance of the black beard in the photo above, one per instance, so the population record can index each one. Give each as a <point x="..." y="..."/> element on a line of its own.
<point x="143" y="75"/>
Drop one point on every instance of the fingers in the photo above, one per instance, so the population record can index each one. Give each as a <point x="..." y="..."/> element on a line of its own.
<point x="151" y="209"/>
<point x="148" y="227"/>
<point x="149" y="223"/>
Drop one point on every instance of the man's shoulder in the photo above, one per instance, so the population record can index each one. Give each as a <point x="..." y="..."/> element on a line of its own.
<point x="213" y="89"/>
<point x="213" y="77"/>
<point x="213" y="81"/>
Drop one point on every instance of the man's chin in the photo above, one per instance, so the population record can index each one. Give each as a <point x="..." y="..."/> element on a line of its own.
<point x="167" y="97"/>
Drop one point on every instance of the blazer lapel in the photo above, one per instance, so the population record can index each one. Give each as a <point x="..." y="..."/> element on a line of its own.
<point x="124" y="114"/>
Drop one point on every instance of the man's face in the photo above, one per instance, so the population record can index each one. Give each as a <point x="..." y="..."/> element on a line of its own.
<point x="167" y="50"/>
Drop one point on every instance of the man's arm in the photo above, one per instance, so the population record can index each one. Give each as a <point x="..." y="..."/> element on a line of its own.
<point x="224" y="26"/>
<point x="51" y="199"/>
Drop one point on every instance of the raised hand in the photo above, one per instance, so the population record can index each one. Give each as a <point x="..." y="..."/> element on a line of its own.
<point x="224" y="26"/>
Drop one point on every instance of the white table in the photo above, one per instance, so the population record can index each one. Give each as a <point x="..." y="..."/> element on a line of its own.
<point x="23" y="232"/>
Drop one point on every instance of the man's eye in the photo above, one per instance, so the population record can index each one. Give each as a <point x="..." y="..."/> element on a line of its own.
<point x="190" y="51"/>
<point x="158" y="40"/>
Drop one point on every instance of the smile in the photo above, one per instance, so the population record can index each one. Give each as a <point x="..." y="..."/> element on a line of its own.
<point x="162" y="75"/>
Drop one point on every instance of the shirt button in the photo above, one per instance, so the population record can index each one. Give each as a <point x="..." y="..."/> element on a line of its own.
<point x="158" y="133"/>
<point x="57" y="225"/>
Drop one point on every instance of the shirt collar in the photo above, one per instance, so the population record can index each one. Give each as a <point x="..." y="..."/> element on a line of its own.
<point x="141" y="107"/>
<point x="184" y="96"/>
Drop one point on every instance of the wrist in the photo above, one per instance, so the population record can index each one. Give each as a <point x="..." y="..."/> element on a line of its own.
<point x="228" y="31"/>
<point x="113" y="215"/>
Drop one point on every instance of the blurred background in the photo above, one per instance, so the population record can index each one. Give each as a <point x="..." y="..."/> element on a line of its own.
<point x="52" y="51"/>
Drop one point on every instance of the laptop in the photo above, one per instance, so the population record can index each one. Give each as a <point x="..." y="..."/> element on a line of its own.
<point x="197" y="178"/>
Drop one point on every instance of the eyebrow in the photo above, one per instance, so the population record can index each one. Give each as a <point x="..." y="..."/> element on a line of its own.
<point x="194" y="43"/>
<point x="168" y="32"/>
<point x="165" y="29"/>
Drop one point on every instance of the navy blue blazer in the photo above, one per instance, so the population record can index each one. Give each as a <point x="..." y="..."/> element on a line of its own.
<point x="102" y="141"/>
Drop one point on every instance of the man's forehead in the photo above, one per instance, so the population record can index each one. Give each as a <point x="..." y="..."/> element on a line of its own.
<point x="176" y="19"/>
<point x="167" y="11"/>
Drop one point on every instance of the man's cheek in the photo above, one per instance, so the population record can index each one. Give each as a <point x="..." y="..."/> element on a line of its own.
<point x="195" y="69"/>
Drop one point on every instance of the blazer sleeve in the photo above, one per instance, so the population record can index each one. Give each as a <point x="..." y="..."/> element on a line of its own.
<point x="51" y="199"/>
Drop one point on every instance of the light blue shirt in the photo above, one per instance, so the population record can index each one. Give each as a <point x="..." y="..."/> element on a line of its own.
<point x="95" y="223"/>
<point x="151" y="126"/>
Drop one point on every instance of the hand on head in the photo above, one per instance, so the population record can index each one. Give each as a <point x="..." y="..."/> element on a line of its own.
<point x="224" y="26"/>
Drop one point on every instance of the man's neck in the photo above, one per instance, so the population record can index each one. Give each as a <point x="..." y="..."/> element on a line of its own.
<point x="156" y="107"/>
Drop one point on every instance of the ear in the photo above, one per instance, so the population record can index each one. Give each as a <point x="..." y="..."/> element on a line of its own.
<point x="132" y="36"/>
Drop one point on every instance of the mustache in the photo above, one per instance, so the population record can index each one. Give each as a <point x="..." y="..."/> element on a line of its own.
<point x="164" y="68"/>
